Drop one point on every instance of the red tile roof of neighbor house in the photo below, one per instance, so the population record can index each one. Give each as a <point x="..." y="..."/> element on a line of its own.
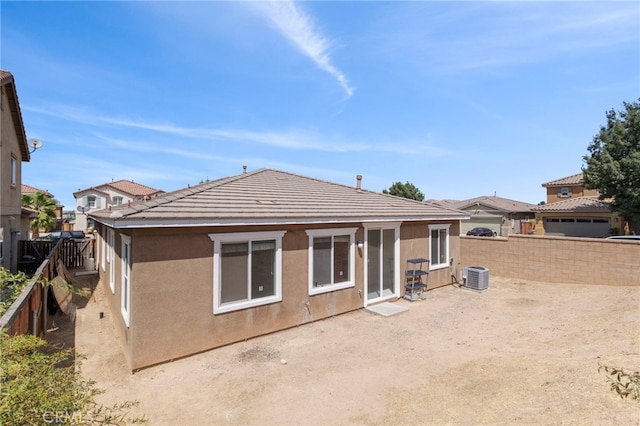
<point x="577" y="205"/>
<point x="126" y="186"/>
<point x="28" y="189"/>
<point x="133" y="188"/>
<point x="576" y="179"/>
<point x="267" y="196"/>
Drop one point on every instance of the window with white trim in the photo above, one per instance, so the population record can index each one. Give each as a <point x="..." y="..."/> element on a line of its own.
<point x="14" y="171"/>
<point x="439" y="246"/>
<point x="331" y="259"/>
<point x="247" y="270"/>
<point x="92" y="201"/>
<point x="103" y="249"/>
<point x="111" y="242"/>
<point x="125" y="282"/>
<point x="117" y="200"/>
<point x="564" y="192"/>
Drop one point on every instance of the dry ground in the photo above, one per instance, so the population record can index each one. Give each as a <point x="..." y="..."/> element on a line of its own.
<point x="519" y="353"/>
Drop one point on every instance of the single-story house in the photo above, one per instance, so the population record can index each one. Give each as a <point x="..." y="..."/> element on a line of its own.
<point x="502" y="215"/>
<point x="258" y="252"/>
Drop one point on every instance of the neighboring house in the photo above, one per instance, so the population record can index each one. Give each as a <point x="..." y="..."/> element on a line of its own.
<point x="14" y="220"/>
<point x="502" y="215"/>
<point x="28" y="190"/>
<point x="107" y="195"/>
<point x="574" y="211"/>
<point x="250" y="254"/>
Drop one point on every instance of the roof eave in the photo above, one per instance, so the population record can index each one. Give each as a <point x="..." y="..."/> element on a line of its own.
<point x="16" y="115"/>
<point x="129" y="223"/>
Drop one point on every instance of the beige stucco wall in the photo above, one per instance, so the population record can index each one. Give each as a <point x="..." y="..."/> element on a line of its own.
<point x="171" y="312"/>
<point x="576" y="191"/>
<point x="10" y="195"/>
<point x="555" y="259"/>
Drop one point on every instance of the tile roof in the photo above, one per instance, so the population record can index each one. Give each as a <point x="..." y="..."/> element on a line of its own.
<point x="133" y="188"/>
<point x="270" y="196"/>
<point x="493" y="201"/>
<point x="28" y="189"/>
<point x="127" y="186"/>
<point x="578" y="205"/>
<point x="566" y="181"/>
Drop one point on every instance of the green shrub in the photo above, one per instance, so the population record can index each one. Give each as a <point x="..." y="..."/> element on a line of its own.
<point x="41" y="387"/>
<point x="11" y="285"/>
<point x="624" y="383"/>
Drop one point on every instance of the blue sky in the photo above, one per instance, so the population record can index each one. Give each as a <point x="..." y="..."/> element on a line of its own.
<point x="462" y="99"/>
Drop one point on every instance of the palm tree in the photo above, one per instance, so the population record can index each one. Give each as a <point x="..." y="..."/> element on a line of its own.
<point x="44" y="206"/>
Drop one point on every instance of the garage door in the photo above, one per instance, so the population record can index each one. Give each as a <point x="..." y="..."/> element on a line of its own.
<point x="577" y="227"/>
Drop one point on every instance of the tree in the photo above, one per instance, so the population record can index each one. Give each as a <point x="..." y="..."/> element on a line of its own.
<point x="405" y="190"/>
<point x="45" y="207"/>
<point x="613" y="162"/>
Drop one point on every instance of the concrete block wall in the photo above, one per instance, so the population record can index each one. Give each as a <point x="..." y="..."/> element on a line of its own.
<point x="555" y="259"/>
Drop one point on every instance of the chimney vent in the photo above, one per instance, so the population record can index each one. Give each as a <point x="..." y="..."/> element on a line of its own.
<point x="244" y="169"/>
<point x="359" y="182"/>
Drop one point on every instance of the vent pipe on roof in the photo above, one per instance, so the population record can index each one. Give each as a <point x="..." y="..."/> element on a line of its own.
<point x="244" y="169"/>
<point x="359" y="183"/>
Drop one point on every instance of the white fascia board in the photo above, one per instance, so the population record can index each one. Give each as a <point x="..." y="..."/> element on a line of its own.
<point x="191" y="223"/>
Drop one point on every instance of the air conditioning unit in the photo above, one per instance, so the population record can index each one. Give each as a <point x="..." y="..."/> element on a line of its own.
<point x="476" y="277"/>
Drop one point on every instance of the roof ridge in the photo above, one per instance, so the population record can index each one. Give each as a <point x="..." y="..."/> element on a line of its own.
<point x="183" y="192"/>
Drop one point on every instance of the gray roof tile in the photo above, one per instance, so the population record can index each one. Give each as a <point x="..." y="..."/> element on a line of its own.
<point x="271" y="196"/>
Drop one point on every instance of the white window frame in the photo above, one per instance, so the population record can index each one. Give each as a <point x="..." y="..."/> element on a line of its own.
<point x="125" y="279"/>
<point x="91" y="198"/>
<point x="332" y="232"/>
<point x="245" y="237"/>
<point x="103" y="250"/>
<point x="396" y="253"/>
<point x="433" y="262"/>
<point x="111" y="242"/>
<point x="14" y="171"/>
<point x="564" y="192"/>
<point x="117" y="200"/>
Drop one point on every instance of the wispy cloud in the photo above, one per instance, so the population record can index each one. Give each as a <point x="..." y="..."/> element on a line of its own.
<point x="485" y="35"/>
<point x="298" y="27"/>
<point x="289" y="139"/>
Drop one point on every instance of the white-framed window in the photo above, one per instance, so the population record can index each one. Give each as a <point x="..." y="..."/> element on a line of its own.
<point x="125" y="287"/>
<point x="247" y="270"/>
<point x="111" y="243"/>
<point x="331" y="259"/>
<point x="92" y="201"/>
<point x="117" y="201"/>
<point x="564" y="192"/>
<point x="439" y="246"/>
<point x="103" y="249"/>
<point x="14" y="171"/>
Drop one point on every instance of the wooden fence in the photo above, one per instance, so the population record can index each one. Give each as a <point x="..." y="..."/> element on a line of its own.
<point x="28" y="313"/>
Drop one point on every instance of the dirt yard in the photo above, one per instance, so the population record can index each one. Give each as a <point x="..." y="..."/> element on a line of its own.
<point x="518" y="353"/>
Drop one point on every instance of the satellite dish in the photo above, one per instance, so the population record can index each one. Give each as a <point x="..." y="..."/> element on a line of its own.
<point x="83" y="209"/>
<point x="34" y="144"/>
